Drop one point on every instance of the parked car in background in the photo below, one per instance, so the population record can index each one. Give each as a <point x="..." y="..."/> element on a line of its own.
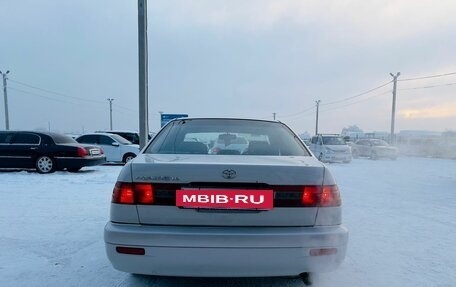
<point x="131" y="136"/>
<point x="46" y="152"/>
<point x="116" y="148"/>
<point x="306" y="141"/>
<point x="330" y="148"/>
<point x="229" y="144"/>
<point x="273" y="210"/>
<point x="374" y="149"/>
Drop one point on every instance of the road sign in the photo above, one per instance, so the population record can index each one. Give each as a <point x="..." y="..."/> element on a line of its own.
<point x="165" y="118"/>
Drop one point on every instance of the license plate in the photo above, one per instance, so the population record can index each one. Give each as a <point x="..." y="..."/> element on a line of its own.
<point x="95" y="152"/>
<point x="225" y="198"/>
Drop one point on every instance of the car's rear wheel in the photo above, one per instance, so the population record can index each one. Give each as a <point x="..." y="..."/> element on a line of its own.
<point x="306" y="278"/>
<point x="373" y="155"/>
<point x="45" y="164"/>
<point x="355" y="153"/>
<point x="127" y="157"/>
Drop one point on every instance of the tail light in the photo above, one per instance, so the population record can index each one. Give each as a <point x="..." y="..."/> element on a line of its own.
<point x="284" y="196"/>
<point x="144" y="193"/>
<point x="82" y="152"/>
<point x="123" y="193"/>
<point x="330" y="196"/>
<point x="310" y="196"/>
<point x="321" y="196"/>
<point x="133" y="193"/>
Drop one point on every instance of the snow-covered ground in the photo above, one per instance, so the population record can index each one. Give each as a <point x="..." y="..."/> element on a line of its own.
<point x="401" y="216"/>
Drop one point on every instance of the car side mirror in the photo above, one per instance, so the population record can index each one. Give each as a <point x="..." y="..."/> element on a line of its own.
<point x="115" y="144"/>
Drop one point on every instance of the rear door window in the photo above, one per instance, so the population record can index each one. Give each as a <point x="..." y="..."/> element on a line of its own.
<point x="5" y="138"/>
<point x="24" y="138"/>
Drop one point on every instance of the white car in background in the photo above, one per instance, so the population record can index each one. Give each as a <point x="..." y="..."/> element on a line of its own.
<point x="116" y="148"/>
<point x="178" y="210"/>
<point x="229" y="144"/>
<point x="374" y="149"/>
<point x="330" y="148"/>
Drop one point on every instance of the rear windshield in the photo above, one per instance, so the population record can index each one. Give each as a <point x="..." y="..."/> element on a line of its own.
<point x="333" y="141"/>
<point x="227" y="137"/>
<point x="379" y="143"/>
<point x="62" y="139"/>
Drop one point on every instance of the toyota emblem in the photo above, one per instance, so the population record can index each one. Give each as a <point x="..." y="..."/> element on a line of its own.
<point x="229" y="173"/>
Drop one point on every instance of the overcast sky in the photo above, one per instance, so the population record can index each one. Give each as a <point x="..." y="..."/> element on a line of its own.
<point x="230" y="59"/>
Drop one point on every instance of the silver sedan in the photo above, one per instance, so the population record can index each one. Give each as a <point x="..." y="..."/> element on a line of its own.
<point x="273" y="210"/>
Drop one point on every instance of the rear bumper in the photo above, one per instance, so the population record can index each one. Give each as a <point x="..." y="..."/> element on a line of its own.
<point x="224" y="252"/>
<point x="337" y="157"/>
<point x="77" y="162"/>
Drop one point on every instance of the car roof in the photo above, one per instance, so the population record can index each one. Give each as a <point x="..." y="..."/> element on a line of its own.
<point x="96" y="134"/>
<point x="329" y="135"/>
<point x="50" y="134"/>
<point x="225" y="118"/>
<point x="117" y="131"/>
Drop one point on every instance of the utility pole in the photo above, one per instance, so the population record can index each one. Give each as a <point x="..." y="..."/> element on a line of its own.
<point x="274" y="114"/>
<point x="143" y="74"/>
<point x="110" y="113"/>
<point x="5" y="95"/>
<point x="393" y="113"/>
<point x="316" y="121"/>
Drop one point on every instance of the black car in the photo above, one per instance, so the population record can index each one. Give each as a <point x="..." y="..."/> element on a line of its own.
<point x="46" y="152"/>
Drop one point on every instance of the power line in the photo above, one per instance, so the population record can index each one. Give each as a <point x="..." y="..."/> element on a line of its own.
<point x="60" y="94"/>
<point x="56" y="93"/>
<point x="360" y="101"/>
<point x="355" y="96"/>
<point x="427" y="87"/>
<point x="39" y="95"/>
<point x="128" y="111"/>
<point x="298" y="113"/>
<point x="428" y="77"/>
<point x="125" y="108"/>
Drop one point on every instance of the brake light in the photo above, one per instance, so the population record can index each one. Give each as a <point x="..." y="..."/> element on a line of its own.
<point x="321" y="196"/>
<point x="82" y="152"/>
<point x="123" y="193"/>
<point x="310" y="196"/>
<point x="144" y="193"/>
<point x="330" y="196"/>
<point x="133" y="193"/>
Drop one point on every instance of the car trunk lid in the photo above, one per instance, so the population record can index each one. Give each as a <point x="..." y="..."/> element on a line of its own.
<point x="283" y="175"/>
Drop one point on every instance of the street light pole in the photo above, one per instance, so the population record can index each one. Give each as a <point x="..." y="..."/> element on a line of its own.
<point x="316" y="120"/>
<point x="143" y="74"/>
<point x="110" y="113"/>
<point x="5" y="95"/>
<point x="393" y="113"/>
